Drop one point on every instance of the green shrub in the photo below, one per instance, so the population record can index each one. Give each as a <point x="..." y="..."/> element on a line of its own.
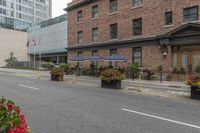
<point x="160" y="68"/>
<point x="64" y="66"/>
<point x="169" y="77"/>
<point x="48" y="65"/>
<point x="134" y="68"/>
<point x="197" y="69"/>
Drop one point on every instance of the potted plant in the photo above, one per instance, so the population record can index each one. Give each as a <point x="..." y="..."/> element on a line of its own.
<point x="111" y="78"/>
<point x="169" y="77"/>
<point x="57" y="74"/>
<point x="11" y="119"/>
<point x="175" y="70"/>
<point x="194" y="82"/>
<point x="64" y="66"/>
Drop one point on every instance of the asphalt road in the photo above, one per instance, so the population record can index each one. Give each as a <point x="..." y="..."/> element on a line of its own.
<point x="61" y="107"/>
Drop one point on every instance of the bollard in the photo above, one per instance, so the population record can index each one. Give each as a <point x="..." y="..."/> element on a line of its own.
<point x="74" y="78"/>
<point x="139" y="83"/>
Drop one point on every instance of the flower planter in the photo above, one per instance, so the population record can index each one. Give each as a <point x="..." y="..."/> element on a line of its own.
<point x="195" y="92"/>
<point x="57" y="77"/>
<point x="113" y="84"/>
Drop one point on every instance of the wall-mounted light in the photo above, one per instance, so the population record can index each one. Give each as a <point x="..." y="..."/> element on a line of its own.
<point x="164" y="43"/>
<point x="165" y="53"/>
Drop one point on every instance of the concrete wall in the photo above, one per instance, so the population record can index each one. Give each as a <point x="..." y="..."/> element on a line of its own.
<point x="12" y="41"/>
<point x="50" y="38"/>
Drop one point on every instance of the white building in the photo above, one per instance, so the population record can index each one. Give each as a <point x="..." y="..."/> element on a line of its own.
<point x="49" y="39"/>
<point x="13" y="41"/>
<point x="19" y="14"/>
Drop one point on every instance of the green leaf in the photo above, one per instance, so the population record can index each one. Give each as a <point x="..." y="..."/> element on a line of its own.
<point x="2" y="111"/>
<point x="11" y="102"/>
<point x="3" y="128"/>
<point x="15" y="121"/>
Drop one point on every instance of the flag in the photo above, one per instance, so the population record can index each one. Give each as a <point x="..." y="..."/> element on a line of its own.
<point x="34" y="42"/>
<point x="27" y="44"/>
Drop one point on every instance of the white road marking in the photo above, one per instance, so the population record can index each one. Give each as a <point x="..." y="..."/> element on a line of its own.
<point x="129" y="87"/>
<point x="29" y="81"/>
<point x="161" y="118"/>
<point x="30" y="87"/>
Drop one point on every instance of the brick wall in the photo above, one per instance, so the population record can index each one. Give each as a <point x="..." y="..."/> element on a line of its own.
<point x="152" y="57"/>
<point x="152" y="12"/>
<point x="149" y="58"/>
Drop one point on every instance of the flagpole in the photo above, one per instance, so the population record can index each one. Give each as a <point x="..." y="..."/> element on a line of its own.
<point x="29" y="58"/>
<point x="40" y="52"/>
<point x="34" y="56"/>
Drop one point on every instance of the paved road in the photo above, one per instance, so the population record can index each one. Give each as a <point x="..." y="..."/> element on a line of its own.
<point x="53" y="107"/>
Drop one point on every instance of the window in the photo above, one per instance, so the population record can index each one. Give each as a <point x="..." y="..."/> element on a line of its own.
<point x="80" y="37"/>
<point x="79" y="16"/>
<point x="137" y="3"/>
<point x="95" y="11"/>
<point x="190" y="14"/>
<point x="80" y="64"/>
<point x="113" y="52"/>
<point x="95" y="53"/>
<point x="5" y="11"/>
<point x="95" y="34"/>
<point x="168" y="18"/>
<point x="137" y="56"/>
<point x="113" y="31"/>
<point x="137" y="27"/>
<point x="4" y="3"/>
<point x="113" y="6"/>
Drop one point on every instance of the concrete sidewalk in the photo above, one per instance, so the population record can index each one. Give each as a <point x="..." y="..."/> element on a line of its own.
<point x="46" y="73"/>
<point x="168" y="92"/>
<point x="170" y="84"/>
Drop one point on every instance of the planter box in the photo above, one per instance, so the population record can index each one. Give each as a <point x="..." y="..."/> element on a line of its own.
<point x="195" y="92"/>
<point x="57" y="78"/>
<point x="112" y="84"/>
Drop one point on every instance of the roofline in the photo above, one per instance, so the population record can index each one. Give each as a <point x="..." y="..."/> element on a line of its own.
<point x="168" y="34"/>
<point x="72" y="6"/>
<point x="115" y="43"/>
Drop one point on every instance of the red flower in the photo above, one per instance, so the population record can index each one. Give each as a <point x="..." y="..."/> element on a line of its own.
<point x="10" y="107"/>
<point x="18" y="110"/>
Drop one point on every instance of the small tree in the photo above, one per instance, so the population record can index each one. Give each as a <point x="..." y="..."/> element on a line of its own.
<point x="197" y="70"/>
<point x="134" y="69"/>
<point x="160" y="69"/>
<point x="11" y="61"/>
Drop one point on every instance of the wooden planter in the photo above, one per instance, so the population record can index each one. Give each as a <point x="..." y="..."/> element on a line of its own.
<point x="57" y="77"/>
<point x="116" y="84"/>
<point x="195" y="92"/>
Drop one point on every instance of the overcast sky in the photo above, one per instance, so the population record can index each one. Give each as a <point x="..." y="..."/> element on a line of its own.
<point x="58" y="6"/>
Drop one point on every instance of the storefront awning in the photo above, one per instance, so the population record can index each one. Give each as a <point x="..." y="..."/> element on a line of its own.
<point x="53" y="51"/>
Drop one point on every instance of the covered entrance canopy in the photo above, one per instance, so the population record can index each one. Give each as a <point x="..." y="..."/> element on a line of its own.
<point x="185" y="46"/>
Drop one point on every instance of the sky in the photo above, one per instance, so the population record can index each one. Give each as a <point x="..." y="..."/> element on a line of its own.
<point x="58" y="6"/>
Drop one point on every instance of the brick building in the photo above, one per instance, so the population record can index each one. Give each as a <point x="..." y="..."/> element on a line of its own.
<point x="147" y="32"/>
